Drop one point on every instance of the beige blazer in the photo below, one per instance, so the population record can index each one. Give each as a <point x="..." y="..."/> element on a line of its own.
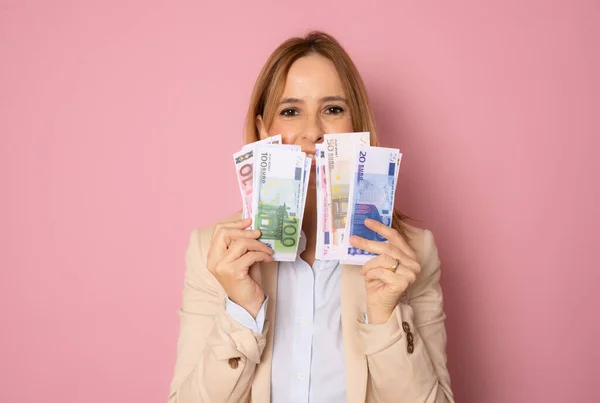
<point x="219" y="360"/>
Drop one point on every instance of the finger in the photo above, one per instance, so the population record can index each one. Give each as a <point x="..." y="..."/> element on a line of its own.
<point x="223" y="236"/>
<point x="383" y="275"/>
<point x="387" y="263"/>
<point x="402" y="274"/>
<point x="383" y="261"/>
<point x="248" y="259"/>
<point x="379" y="227"/>
<point x="243" y="245"/>
<point x="379" y="248"/>
<point x="239" y="224"/>
<point x="382" y="248"/>
<point x="408" y="274"/>
<point x="391" y="235"/>
<point x="245" y="265"/>
<point x="231" y="234"/>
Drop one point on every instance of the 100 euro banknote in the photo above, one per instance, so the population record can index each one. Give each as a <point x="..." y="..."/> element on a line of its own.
<point x="278" y="200"/>
<point x="371" y="196"/>
<point x="244" y="165"/>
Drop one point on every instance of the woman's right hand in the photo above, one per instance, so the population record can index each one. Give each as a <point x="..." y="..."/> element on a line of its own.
<point x="231" y="259"/>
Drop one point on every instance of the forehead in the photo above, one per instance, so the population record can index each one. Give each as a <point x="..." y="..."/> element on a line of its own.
<point x="312" y="77"/>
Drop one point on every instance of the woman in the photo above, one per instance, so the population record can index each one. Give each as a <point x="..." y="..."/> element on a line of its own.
<point x="310" y="331"/>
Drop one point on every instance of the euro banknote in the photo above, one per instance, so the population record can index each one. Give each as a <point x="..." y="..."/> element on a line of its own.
<point x="372" y="190"/>
<point x="305" y="178"/>
<point x="244" y="168"/>
<point x="278" y="198"/>
<point x="353" y="181"/>
<point x="323" y="230"/>
<point x="340" y="153"/>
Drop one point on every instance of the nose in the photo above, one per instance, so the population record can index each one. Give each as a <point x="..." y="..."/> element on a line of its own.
<point x="313" y="134"/>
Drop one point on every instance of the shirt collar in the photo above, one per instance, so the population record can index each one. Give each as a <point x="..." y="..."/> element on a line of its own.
<point x="301" y="243"/>
<point x="319" y="264"/>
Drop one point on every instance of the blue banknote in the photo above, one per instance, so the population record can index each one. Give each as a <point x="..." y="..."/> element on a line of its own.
<point x="372" y="194"/>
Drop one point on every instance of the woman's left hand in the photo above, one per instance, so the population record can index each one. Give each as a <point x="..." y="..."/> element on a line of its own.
<point x="384" y="284"/>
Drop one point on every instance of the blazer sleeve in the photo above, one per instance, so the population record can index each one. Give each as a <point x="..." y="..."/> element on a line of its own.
<point x="400" y="374"/>
<point x="216" y="355"/>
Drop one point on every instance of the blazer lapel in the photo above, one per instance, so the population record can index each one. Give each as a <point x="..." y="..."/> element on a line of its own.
<point x="261" y="386"/>
<point x="354" y="307"/>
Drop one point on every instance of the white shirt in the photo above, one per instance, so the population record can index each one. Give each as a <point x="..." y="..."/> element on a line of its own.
<point x="308" y="354"/>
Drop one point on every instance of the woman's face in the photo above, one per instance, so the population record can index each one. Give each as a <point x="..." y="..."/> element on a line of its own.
<point x="313" y="103"/>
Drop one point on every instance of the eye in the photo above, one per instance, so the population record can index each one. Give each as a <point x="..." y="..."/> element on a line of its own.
<point x="334" y="110"/>
<point x="288" y="112"/>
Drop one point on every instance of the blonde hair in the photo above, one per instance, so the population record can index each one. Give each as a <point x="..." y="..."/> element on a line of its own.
<point x="270" y="83"/>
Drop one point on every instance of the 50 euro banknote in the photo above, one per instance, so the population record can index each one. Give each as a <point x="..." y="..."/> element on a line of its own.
<point x="340" y="160"/>
<point x="372" y="191"/>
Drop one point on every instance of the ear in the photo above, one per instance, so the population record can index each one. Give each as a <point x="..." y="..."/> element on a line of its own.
<point x="260" y="127"/>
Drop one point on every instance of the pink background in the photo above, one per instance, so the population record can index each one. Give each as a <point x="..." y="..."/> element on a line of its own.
<point x="118" y="120"/>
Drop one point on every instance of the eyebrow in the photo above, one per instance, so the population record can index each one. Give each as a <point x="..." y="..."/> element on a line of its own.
<point x="324" y="99"/>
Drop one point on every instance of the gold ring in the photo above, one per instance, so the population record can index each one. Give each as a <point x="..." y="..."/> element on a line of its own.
<point x="394" y="267"/>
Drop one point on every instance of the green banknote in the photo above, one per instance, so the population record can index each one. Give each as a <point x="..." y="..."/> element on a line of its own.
<point x="279" y="199"/>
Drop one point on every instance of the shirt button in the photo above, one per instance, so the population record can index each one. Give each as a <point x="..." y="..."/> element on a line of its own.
<point x="234" y="362"/>
<point x="303" y="322"/>
<point x="300" y="376"/>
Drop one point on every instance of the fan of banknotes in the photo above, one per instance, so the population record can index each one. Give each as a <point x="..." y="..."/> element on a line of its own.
<point x="354" y="181"/>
